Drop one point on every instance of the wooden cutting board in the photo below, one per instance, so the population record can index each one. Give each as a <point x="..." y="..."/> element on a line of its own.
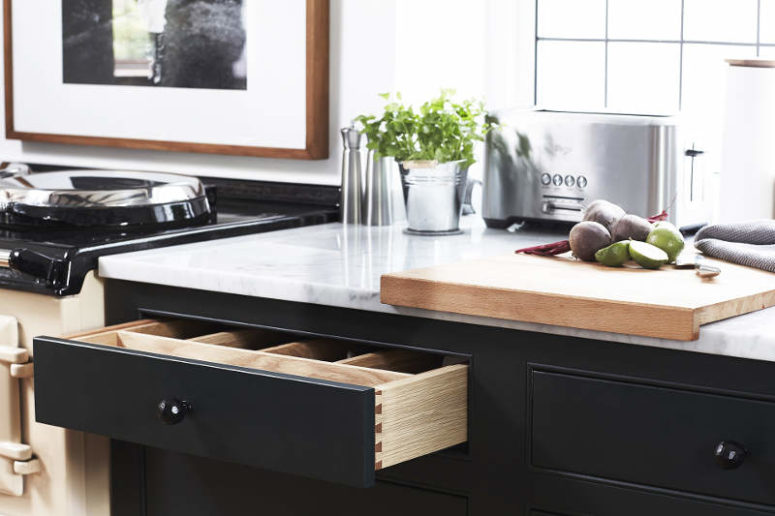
<point x="667" y="303"/>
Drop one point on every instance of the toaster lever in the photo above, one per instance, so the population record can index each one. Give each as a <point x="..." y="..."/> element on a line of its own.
<point x="552" y="206"/>
<point x="692" y="153"/>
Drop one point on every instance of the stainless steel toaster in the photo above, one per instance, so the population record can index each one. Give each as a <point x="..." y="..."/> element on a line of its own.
<point x="547" y="165"/>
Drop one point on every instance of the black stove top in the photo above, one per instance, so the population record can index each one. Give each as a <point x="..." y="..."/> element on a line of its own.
<point x="55" y="261"/>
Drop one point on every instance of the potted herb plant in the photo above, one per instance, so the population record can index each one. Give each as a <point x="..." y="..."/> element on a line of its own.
<point x="434" y="147"/>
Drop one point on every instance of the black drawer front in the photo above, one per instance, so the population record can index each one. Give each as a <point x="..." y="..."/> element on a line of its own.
<point x="216" y="488"/>
<point x="314" y="428"/>
<point x="560" y="495"/>
<point x="651" y="435"/>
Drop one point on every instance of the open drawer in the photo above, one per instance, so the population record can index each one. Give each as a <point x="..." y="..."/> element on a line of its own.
<point x="326" y="409"/>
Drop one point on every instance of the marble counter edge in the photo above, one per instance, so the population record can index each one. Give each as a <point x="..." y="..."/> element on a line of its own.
<point x="713" y="338"/>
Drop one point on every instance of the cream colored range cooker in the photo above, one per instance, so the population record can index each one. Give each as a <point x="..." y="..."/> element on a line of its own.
<point x="46" y="470"/>
<point x="54" y="226"/>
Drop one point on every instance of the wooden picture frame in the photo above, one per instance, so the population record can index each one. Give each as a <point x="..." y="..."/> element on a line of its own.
<point x="317" y="102"/>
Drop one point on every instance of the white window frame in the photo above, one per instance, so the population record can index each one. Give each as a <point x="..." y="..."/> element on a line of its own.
<point x="606" y="40"/>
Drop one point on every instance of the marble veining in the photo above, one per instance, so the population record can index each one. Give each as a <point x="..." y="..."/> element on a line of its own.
<point x="340" y="265"/>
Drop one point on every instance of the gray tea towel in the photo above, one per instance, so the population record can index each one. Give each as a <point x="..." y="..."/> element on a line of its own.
<point x="745" y="243"/>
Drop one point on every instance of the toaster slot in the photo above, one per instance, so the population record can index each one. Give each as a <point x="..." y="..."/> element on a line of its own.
<point x="555" y="204"/>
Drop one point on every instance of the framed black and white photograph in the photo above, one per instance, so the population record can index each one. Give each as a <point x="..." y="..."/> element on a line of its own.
<point x="246" y="77"/>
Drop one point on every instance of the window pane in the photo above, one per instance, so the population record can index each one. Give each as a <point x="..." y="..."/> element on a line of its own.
<point x="571" y="18"/>
<point x="571" y="75"/>
<point x="643" y="77"/>
<point x="767" y="52"/>
<point x="767" y="28"/>
<point x="644" y="19"/>
<point x="720" y="20"/>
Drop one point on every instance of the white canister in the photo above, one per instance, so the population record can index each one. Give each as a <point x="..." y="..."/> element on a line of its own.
<point x="747" y="189"/>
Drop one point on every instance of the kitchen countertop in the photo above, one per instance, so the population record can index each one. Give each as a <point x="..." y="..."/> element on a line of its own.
<point x="341" y="265"/>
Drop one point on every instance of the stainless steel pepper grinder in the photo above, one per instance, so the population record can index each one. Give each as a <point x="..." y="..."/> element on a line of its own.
<point x="383" y="198"/>
<point x="352" y="189"/>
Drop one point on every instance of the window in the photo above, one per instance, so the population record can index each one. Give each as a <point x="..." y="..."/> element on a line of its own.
<point x="645" y="56"/>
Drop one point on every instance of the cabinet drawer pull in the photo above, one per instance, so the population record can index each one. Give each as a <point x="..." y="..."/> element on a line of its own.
<point x="730" y="454"/>
<point x="173" y="411"/>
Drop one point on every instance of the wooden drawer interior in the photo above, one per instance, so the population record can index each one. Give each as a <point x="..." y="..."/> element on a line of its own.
<point x="421" y="398"/>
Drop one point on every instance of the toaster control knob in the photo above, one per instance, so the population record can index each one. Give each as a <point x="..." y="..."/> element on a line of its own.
<point x="557" y="180"/>
<point x="570" y="181"/>
<point x="546" y="179"/>
<point x="581" y="182"/>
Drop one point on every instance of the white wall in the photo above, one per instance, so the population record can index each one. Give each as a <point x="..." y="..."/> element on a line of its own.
<point x="412" y="46"/>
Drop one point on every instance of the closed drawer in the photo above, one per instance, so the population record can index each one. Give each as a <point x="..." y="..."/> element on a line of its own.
<point x="324" y="409"/>
<point x="217" y="488"/>
<point x="652" y="436"/>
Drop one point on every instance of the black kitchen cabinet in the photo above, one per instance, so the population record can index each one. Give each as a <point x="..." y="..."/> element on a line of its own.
<point x="558" y="426"/>
<point x="183" y="484"/>
<point x="646" y="434"/>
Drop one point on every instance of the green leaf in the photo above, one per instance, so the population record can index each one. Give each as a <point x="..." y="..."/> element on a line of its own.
<point x="440" y="129"/>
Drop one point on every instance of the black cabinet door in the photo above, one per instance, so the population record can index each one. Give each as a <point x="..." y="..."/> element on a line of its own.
<point x="654" y="436"/>
<point x="565" y="495"/>
<point x="179" y="484"/>
<point x="285" y="423"/>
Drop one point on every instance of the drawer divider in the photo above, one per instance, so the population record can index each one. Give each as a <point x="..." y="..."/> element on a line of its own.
<point x="257" y="359"/>
<point x="245" y="339"/>
<point x="403" y="360"/>
<point x="318" y="349"/>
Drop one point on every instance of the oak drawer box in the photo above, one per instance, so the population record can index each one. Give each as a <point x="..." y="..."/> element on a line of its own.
<point x="313" y="408"/>
<point x="654" y="436"/>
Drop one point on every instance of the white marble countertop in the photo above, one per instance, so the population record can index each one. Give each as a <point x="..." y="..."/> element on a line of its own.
<point x="340" y="265"/>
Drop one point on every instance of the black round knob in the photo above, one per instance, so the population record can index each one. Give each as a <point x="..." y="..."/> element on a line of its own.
<point x="729" y="454"/>
<point x="172" y="411"/>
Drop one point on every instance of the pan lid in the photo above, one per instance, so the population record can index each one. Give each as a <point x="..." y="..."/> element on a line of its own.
<point x="101" y="198"/>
